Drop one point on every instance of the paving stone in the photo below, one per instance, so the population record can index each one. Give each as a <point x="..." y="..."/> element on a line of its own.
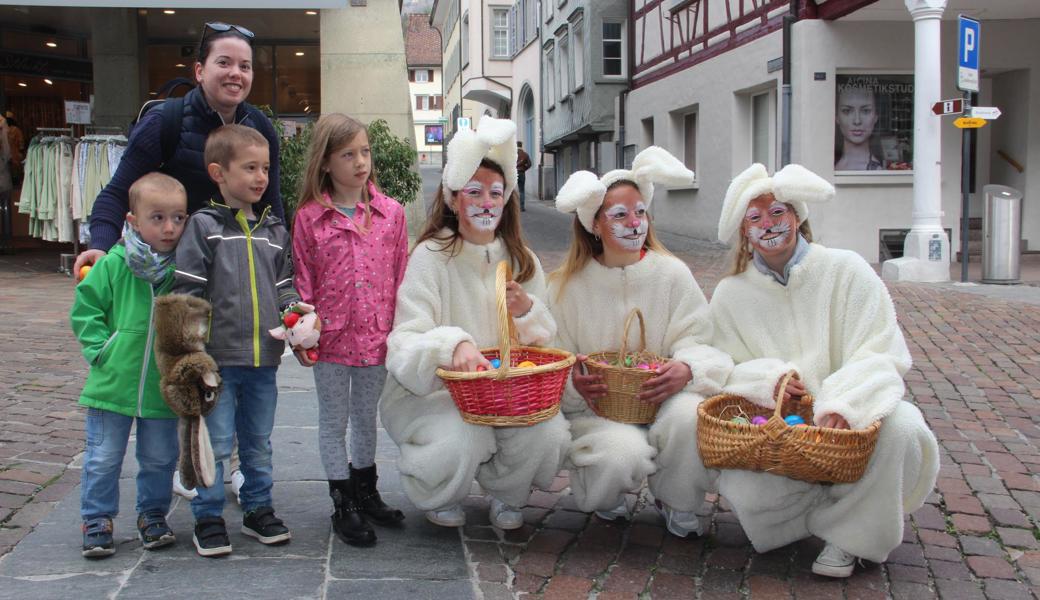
<point x="907" y="554"/>
<point x="669" y="586"/>
<point x="566" y="519"/>
<point x="550" y="540"/>
<point x="1002" y="589"/>
<point x="566" y="587"/>
<point x="942" y="569"/>
<point x="971" y="524"/>
<point x="541" y="564"/>
<point x="624" y="578"/>
<point x="1018" y="538"/>
<point x="958" y="590"/>
<point x="990" y="566"/>
<point x="391" y="588"/>
<point x="980" y="546"/>
<point x="764" y="587"/>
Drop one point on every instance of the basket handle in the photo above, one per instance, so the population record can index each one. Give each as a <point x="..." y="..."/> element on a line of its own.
<point x="780" y="392"/>
<point x="635" y="312"/>
<point x="507" y="335"/>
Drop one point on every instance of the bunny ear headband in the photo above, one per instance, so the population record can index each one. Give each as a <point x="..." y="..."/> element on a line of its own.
<point x="583" y="192"/>
<point x="495" y="140"/>
<point x="794" y="185"/>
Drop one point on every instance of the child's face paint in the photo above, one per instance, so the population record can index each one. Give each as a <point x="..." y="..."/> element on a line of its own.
<point x="770" y="225"/>
<point x="479" y="205"/>
<point x="625" y="220"/>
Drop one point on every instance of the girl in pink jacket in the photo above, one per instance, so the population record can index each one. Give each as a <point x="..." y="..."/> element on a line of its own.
<point x="350" y="248"/>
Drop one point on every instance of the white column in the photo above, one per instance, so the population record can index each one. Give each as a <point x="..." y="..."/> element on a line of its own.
<point x="926" y="251"/>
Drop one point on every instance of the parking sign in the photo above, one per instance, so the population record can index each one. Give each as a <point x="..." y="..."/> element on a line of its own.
<point x="968" y="44"/>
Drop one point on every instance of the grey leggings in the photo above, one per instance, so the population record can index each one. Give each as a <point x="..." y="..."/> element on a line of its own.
<point x="347" y="394"/>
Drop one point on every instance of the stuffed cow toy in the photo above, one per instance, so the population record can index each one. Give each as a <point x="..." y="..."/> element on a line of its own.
<point x="189" y="380"/>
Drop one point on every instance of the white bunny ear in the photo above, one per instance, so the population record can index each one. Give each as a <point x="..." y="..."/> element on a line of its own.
<point x="496" y="131"/>
<point x="752" y="182"/>
<point x="657" y="165"/>
<point x="495" y="140"/>
<point x="795" y="183"/>
<point x="583" y="194"/>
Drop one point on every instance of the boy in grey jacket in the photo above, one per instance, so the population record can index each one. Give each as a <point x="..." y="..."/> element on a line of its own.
<point x="239" y="261"/>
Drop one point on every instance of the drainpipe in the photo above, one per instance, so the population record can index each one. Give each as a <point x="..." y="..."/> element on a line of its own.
<point x="630" y="41"/>
<point x="785" y="124"/>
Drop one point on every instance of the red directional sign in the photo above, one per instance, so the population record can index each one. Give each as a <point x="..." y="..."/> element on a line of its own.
<point x="948" y="107"/>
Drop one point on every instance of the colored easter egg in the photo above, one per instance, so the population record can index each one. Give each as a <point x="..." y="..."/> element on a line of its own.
<point x="793" y="420"/>
<point x="643" y="366"/>
<point x="526" y="364"/>
<point x="759" y="420"/>
<point x="628" y="361"/>
<point x="83" y="272"/>
<point x="654" y="366"/>
<point x="312" y="355"/>
<point x="495" y="363"/>
<point x="740" y="420"/>
<point x="481" y="368"/>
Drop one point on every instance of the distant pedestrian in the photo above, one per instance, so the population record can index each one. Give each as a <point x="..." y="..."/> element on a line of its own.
<point x="112" y="318"/>
<point x="350" y="248"/>
<point x="523" y="163"/>
<point x="238" y="258"/>
<point x="792" y="305"/>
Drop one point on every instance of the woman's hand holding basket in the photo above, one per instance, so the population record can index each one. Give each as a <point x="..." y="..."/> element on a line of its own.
<point x="795" y="388"/>
<point x="834" y="421"/>
<point x="518" y="303"/>
<point x="671" y="378"/>
<point x="467" y="358"/>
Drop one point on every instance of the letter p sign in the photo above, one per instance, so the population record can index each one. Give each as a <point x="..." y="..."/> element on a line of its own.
<point x="968" y="35"/>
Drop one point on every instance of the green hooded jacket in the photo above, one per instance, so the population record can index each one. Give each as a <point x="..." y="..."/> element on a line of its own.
<point x="112" y="316"/>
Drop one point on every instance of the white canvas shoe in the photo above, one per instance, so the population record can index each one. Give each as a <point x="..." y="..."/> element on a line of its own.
<point x="618" y="512"/>
<point x="180" y="490"/>
<point x="834" y="562"/>
<point x="237" y="481"/>
<point x="680" y="523"/>
<point x="504" y="516"/>
<point x="448" y="516"/>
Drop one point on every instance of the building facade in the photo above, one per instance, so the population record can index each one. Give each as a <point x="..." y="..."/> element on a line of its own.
<point x="707" y="85"/>
<point x="423" y="53"/>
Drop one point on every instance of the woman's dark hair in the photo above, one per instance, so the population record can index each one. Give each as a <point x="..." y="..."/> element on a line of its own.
<point x="209" y="36"/>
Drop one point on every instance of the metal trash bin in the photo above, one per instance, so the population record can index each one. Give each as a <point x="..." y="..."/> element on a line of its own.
<point x="1001" y="235"/>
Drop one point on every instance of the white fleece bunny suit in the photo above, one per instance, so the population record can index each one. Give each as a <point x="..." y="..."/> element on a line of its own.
<point x="445" y="300"/>
<point x="606" y="458"/>
<point x="833" y="323"/>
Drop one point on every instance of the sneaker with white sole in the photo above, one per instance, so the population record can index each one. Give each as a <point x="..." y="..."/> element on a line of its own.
<point x="180" y="490"/>
<point x="618" y="512"/>
<point x="211" y="538"/>
<point x="448" y="516"/>
<point x="834" y="562"/>
<point x="504" y="516"/>
<point x="237" y="481"/>
<point x="680" y="523"/>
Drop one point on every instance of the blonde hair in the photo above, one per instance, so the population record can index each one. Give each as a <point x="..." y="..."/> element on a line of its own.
<point x="155" y="183"/>
<point x="742" y="252"/>
<point x="224" y="141"/>
<point x="333" y="132"/>
<point x="585" y="246"/>
<point x="441" y="217"/>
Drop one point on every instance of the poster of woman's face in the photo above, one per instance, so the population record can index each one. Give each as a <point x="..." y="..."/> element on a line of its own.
<point x="874" y="123"/>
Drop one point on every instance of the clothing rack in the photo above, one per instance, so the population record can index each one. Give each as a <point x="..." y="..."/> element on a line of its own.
<point x="67" y="130"/>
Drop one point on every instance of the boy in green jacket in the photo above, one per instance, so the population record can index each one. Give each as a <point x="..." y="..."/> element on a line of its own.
<point x="112" y="318"/>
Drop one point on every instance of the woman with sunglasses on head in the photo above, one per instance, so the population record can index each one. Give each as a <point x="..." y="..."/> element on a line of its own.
<point x="224" y="74"/>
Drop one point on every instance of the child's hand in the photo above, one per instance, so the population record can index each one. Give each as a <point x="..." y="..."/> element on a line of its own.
<point x="518" y="303"/>
<point x="468" y="358"/>
<point x="301" y="356"/>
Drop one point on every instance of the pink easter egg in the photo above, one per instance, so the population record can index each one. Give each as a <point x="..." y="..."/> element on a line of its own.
<point x="759" y="420"/>
<point x="643" y="366"/>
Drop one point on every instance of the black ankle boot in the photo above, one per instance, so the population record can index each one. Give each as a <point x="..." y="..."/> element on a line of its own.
<point x="367" y="496"/>
<point x="347" y="521"/>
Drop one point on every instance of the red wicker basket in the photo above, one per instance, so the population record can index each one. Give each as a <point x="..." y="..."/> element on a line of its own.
<point x="510" y="396"/>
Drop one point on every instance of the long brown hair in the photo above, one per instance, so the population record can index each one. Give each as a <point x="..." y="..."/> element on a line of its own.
<point x="742" y="252"/>
<point x="585" y="246"/>
<point x="332" y="132"/>
<point x="441" y="216"/>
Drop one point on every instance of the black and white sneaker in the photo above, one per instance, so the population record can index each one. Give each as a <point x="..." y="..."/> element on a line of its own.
<point x="265" y="527"/>
<point x="97" y="538"/>
<point x="211" y="538"/>
<point x="153" y="530"/>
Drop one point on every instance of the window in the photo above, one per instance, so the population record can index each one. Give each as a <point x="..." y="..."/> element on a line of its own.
<point x="613" y="43"/>
<point x="547" y="8"/>
<point x="516" y="33"/>
<point x="465" y="39"/>
<point x="500" y="33"/>
<point x="530" y="20"/>
<point x="760" y="130"/>
<point x="578" y="51"/>
<point x="550" y="76"/>
<point x="563" y="64"/>
<point x="421" y="75"/>
<point x="689" y="132"/>
<point x="648" y="132"/>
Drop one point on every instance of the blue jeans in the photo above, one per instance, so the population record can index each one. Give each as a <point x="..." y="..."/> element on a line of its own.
<point x="157" y="450"/>
<point x="246" y="409"/>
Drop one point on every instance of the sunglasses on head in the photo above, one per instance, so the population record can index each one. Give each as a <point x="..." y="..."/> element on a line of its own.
<point x="219" y="27"/>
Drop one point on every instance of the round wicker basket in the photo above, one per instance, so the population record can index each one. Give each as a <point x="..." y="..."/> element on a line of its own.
<point x="624" y="382"/>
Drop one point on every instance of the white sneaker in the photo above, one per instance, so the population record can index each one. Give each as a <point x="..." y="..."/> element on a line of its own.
<point x="180" y="490"/>
<point x="448" y="516"/>
<point x="237" y="481"/>
<point x="618" y="512"/>
<point x="680" y="523"/>
<point x="834" y="562"/>
<point x="504" y="516"/>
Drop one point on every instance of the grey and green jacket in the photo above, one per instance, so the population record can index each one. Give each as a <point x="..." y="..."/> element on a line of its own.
<point x="246" y="272"/>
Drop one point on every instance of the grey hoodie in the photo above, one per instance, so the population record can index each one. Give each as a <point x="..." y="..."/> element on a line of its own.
<point x="246" y="273"/>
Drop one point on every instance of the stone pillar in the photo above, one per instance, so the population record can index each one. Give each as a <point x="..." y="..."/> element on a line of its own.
<point x="364" y="72"/>
<point x="926" y="251"/>
<point x="120" y="61"/>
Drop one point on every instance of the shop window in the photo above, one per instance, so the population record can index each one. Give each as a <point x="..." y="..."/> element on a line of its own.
<point x="298" y="88"/>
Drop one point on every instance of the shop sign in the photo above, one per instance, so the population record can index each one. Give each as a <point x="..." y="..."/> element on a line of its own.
<point x="41" y="65"/>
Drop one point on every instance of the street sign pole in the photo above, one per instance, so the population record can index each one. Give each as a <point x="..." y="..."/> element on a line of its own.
<point x="965" y="189"/>
<point x="968" y="43"/>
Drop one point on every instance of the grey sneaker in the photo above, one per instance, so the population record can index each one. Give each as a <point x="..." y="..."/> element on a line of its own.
<point x="834" y="562"/>
<point x="448" y="516"/>
<point x="504" y="516"/>
<point x="680" y="523"/>
<point x="618" y="512"/>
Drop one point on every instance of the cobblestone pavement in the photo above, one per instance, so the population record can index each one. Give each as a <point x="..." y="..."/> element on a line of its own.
<point x="976" y="377"/>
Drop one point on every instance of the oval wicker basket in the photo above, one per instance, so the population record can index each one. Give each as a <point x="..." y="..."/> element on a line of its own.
<point x="510" y="396"/>
<point x="624" y="382"/>
<point x="804" y="452"/>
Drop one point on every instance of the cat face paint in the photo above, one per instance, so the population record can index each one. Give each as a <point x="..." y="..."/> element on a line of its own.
<point x="628" y="229"/>
<point x="770" y="224"/>
<point x="482" y="209"/>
